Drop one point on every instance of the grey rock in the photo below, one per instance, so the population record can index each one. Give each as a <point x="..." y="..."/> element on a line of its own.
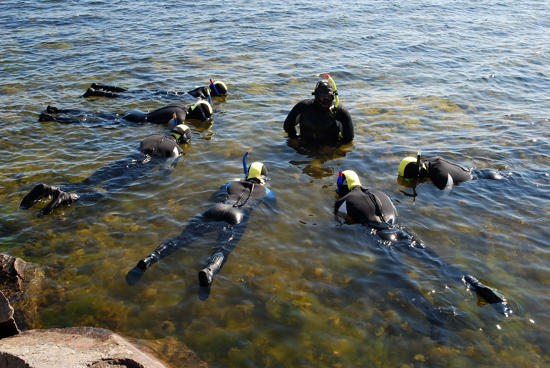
<point x="80" y="347"/>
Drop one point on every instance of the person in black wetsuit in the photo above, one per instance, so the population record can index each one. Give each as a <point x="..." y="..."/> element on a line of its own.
<point x="173" y="114"/>
<point x="214" y="89"/>
<point x="320" y="122"/>
<point x="373" y="208"/>
<point x="443" y="174"/>
<point x="154" y="149"/>
<point x="228" y="217"/>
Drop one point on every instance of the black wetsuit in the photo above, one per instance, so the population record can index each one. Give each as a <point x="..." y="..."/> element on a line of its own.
<point x="367" y="207"/>
<point x="443" y="173"/>
<point x="229" y="217"/>
<point x="375" y="209"/>
<point x="154" y="150"/>
<point x="162" y="115"/>
<point x="103" y="90"/>
<point x="319" y="126"/>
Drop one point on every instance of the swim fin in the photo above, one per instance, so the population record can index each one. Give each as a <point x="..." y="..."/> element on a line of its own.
<point x="489" y="295"/>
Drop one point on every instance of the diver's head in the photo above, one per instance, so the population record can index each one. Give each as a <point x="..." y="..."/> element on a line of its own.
<point x="347" y="180"/>
<point x="200" y="110"/>
<point x="182" y="133"/>
<point x="408" y="168"/>
<point x="324" y="94"/>
<point x="218" y="88"/>
<point x="257" y="171"/>
<point x="411" y="168"/>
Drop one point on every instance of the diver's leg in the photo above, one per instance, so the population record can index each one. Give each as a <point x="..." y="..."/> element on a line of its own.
<point x="430" y="257"/>
<point x="196" y="228"/>
<point x="228" y="237"/>
<point x="102" y="90"/>
<point x="215" y="263"/>
<point x="106" y="87"/>
<point x="51" y="114"/>
<point x="72" y="116"/>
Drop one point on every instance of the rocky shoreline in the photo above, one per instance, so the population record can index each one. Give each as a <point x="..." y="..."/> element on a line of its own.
<point x="80" y="346"/>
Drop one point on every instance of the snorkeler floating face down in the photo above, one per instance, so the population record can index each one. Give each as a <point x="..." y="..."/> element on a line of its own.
<point x="346" y="181"/>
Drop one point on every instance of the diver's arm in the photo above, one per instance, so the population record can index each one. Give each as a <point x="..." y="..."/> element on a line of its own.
<point x="271" y="200"/>
<point x="347" y="125"/>
<point x="291" y="120"/>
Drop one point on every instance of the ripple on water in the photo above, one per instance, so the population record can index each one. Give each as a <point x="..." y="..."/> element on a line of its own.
<point x="298" y="290"/>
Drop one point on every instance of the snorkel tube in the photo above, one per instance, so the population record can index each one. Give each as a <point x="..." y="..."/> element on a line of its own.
<point x="172" y="123"/>
<point x="208" y="97"/>
<point x="214" y="87"/>
<point x="336" y="99"/>
<point x="417" y="166"/>
<point x="417" y="174"/>
<point x="339" y="181"/>
<point x="245" y="166"/>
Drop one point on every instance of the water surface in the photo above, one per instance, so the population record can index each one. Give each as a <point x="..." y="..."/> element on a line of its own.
<point x="465" y="80"/>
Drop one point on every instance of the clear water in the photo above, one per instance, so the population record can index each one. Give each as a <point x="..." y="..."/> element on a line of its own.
<point x="466" y="80"/>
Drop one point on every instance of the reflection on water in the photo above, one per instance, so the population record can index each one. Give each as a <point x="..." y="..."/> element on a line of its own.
<point x="300" y="289"/>
<point x="312" y="160"/>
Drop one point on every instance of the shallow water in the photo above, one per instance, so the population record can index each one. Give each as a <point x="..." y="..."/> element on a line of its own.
<point x="465" y="80"/>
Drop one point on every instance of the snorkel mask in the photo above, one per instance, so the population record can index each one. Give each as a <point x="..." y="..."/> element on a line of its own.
<point x="346" y="181"/>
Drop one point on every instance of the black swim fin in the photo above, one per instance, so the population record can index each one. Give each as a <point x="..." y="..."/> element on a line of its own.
<point x="59" y="198"/>
<point x="134" y="275"/>
<point x="36" y="194"/>
<point x="489" y="295"/>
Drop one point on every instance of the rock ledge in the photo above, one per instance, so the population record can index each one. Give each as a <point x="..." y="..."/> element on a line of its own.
<point x="85" y="347"/>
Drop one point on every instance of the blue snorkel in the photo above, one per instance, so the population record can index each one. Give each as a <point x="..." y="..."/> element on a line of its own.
<point x="208" y="97"/>
<point x="172" y="123"/>
<point x="245" y="166"/>
<point x="339" y="181"/>
<point x="214" y="87"/>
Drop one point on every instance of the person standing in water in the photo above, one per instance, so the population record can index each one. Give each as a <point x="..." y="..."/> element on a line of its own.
<point x="321" y="120"/>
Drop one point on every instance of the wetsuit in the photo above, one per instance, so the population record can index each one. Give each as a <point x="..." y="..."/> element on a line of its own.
<point x="375" y="209"/>
<point x="319" y="126"/>
<point x="161" y="115"/>
<point x="228" y="217"/>
<point x="443" y="173"/>
<point x="367" y="207"/>
<point x="103" y="90"/>
<point x="164" y="114"/>
<point x="204" y="92"/>
<point x="117" y="175"/>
